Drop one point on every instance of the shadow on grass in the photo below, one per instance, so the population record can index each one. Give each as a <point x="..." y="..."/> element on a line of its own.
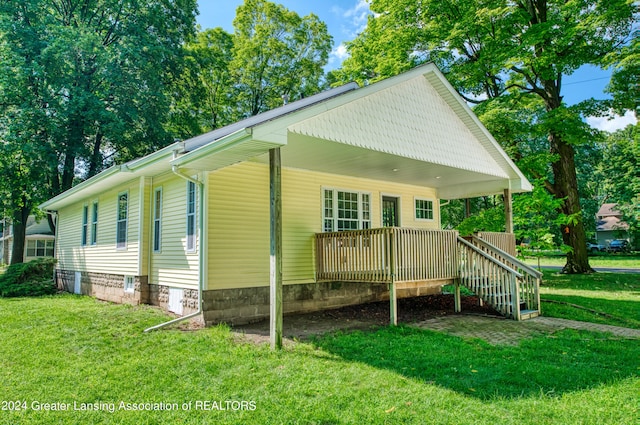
<point x="551" y="364"/>
<point x="624" y="313"/>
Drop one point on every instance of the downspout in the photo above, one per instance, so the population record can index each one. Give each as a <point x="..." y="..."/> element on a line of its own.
<point x="201" y="277"/>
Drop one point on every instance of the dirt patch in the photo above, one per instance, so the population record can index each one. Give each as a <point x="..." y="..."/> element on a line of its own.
<point x="364" y="316"/>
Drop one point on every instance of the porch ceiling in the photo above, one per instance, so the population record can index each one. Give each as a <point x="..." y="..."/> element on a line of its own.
<point x="311" y="153"/>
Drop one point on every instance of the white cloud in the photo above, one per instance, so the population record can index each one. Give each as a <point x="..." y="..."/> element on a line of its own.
<point x="612" y="124"/>
<point x="355" y="18"/>
<point x="338" y="54"/>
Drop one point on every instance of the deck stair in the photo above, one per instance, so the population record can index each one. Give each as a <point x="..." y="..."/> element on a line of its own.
<point x="499" y="279"/>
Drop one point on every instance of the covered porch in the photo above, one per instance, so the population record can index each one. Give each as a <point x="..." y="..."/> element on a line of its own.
<point x="416" y="258"/>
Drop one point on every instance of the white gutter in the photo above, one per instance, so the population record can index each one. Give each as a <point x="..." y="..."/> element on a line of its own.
<point x="201" y="256"/>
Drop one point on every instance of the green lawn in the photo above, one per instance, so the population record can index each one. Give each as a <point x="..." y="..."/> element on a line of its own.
<point x="67" y="349"/>
<point x="617" y="295"/>
<point x="619" y="260"/>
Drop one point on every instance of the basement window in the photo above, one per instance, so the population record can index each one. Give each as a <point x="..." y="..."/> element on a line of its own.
<point x="129" y="284"/>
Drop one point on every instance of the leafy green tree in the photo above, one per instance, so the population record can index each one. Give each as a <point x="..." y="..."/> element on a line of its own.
<point x="84" y="85"/>
<point x="619" y="175"/>
<point x="276" y="53"/>
<point x="625" y="81"/>
<point x="492" y="48"/>
<point x="202" y="96"/>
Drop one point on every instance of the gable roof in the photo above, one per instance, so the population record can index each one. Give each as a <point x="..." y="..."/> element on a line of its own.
<point x="608" y="210"/>
<point x="412" y="128"/>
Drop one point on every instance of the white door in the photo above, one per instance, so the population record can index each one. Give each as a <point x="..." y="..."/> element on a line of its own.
<point x="76" y="283"/>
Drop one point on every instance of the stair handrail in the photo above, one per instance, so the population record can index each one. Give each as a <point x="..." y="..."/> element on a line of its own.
<point x="530" y="270"/>
<point x="489" y="257"/>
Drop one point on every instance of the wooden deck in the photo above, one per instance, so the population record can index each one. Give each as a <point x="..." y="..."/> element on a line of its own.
<point x="404" y="258"/>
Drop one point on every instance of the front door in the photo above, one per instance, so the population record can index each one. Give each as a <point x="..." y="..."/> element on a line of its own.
<point x="390" y="212"/>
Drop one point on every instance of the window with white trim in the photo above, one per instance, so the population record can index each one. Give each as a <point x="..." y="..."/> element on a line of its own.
<point x="345" y="210"/>
<point x="191" y="216"/>
<point x="85" y="224"/>
<point x="129" y="284"/>
<point x="424" y="209"/>
<point x="157" y="219"/>
<point x="94" y="223"/>
<point x="121" y="220"/>
<point x="40" y="247"/>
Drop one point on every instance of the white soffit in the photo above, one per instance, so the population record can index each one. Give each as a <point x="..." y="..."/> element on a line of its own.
<point x="409" y="119"/>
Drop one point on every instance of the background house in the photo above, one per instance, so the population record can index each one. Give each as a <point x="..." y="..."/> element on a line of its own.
<point x="39" y="240"/>
<point x="609" y="225"/>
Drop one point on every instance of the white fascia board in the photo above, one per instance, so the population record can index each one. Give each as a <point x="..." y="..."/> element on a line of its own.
<point x="223" y="144"/>
<point x="116" y="174"/>
<point x="58" y="201"/>
<point x="472" y="190"/>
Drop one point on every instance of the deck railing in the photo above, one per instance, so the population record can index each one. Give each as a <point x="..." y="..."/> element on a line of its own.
<point x="528" y="284"/>
<point x="386" y="255"/>
<point x="493" y="281"/>
<point x="504" y="241"/>
<point x="399" y="255"/>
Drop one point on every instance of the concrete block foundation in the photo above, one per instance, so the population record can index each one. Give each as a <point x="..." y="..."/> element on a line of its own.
<point x="240" y="305"/>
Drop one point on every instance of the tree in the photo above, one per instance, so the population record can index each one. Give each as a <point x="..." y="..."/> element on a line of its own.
<point x="85" y="84"/>
<point x="625" y="80"/>
<point x="273" y="55"/>
<point x="276" y="54"/>
<point x="493" y="48"/>
<point x="619" y="175"/>
<point x="202" y="96"/>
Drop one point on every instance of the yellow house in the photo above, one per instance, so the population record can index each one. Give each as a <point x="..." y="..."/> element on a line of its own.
<point x="355" y="177"/>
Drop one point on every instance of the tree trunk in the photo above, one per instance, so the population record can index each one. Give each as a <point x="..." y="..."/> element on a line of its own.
<point x="566" y="187"/>
<point x="96" y="158"/>
<point x="20" y="217"/>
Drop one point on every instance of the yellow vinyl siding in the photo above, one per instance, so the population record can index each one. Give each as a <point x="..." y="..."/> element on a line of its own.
<point x="173" y="265"/>
<point x="239" y="220"/>
<point x="103" y="257"/>
<point x="145" y="224"/>
<point x="239" y="226"/>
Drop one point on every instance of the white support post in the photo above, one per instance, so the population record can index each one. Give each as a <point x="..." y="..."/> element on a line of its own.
<point x="275" y="263"/>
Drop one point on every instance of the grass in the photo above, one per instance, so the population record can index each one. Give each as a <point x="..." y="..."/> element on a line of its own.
<point x="620" y="260"/>
<point x="66" y="349"/>
<point x="617" y="295"/>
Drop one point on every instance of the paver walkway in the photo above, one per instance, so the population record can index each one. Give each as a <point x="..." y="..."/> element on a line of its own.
<point x="499" y="331"/>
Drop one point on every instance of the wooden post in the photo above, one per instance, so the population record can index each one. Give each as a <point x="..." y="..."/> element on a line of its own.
<point x="275" y="251"/>
<point x="393" y="299"/>
<point x="508" y="211"/>
<point x="393" y="304"/>
<point x="456" y="296"/>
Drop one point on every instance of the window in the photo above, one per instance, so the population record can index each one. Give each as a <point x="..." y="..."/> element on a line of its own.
<point x="191" y="216"/>
<point x="94" y="224"/>
<point x="157" y="217"/>
<point x="346" y="210"/>
<point x="40" y="248"/>
<point x="85" y="223"/>
<point x="424" y="209"/>
<point x="121" y="221"/>
<point x="129" y="284"/>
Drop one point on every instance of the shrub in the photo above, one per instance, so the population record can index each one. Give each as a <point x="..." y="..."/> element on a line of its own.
<point x="30" y="279"/>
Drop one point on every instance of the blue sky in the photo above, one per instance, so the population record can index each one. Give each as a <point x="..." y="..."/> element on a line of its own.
<point x="345" y="18"/>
